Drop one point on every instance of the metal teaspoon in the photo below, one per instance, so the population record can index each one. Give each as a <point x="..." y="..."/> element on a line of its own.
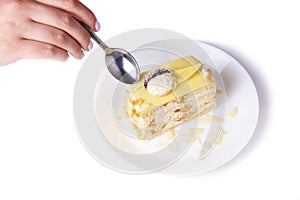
<point x="120" y="63"/>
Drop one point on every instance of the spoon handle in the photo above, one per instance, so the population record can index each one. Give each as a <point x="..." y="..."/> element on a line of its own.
<point x="93" y="35"/>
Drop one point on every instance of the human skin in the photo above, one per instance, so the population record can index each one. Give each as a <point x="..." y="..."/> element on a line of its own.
<point x="44" y="29"/>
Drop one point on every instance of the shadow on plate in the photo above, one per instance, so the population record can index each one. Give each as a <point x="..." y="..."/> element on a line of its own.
<point x="264" y="104"/>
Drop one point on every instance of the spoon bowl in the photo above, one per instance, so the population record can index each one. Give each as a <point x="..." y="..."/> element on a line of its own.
<point x="122" y="65"/>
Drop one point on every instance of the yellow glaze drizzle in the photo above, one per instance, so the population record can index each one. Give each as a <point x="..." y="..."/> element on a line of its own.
<point x="189" y="77"/>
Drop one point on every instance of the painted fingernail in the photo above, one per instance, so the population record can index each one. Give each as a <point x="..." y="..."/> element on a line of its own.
<point x="97" y="26"/>
<point x="90" y="47"/>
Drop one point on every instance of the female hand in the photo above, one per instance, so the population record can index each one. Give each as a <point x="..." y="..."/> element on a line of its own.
<point x="44" y="29"/>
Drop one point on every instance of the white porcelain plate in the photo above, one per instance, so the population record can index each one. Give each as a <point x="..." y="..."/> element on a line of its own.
<point x="216" y="138"/>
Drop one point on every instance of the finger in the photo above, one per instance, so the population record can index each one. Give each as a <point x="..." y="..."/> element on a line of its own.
<point x="54" y="36"/>
<point x="77" y="9"/>
<point x="39" y="50"/>
<point x="62" y="20"/>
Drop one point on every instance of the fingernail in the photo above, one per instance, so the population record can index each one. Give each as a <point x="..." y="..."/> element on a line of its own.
<point x="97" y="26"/>
<point x="90" y="47"/>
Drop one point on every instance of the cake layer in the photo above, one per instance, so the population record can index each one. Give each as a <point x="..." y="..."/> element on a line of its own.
<point x="171" y="114"/>
<point x="194" y="95"/>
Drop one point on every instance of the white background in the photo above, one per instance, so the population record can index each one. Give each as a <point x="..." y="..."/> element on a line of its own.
<point x="41" y="156"/>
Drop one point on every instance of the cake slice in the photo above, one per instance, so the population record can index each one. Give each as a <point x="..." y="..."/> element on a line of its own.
<point x="169" y="95"/>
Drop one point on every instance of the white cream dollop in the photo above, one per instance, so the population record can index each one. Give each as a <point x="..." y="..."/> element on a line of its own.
<point x="161" y="84"/>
